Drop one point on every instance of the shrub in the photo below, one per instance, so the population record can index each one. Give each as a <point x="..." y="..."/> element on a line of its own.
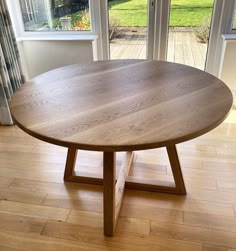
<point x="114" y="23"/>
<point x="202" y="32"/>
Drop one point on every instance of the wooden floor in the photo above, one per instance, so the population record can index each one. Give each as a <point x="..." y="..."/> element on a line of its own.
<point x="38" y="211"/>
<point x="182" y="48"/>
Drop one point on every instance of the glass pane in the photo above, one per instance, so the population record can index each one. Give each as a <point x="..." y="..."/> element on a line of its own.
<point x="189" y="31"/>
<point x="234" y="19"/>
<point x="128" y="29"/>
<point x="55" y="15"/>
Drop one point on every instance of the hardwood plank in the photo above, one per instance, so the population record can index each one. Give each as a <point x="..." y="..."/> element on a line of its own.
<point x="143" y="53"/>
<point x="37" y="157"/>
<point x="188" y="57"/>
<point x="197" y="57"/>
<point x="179" y="203"/>
<point x="227" y="185"/>
<point x="133" y="225"/>
<point x="214" y="248"/>
<point x="8" y="249"/>
<point x="218" y="175"/>
<point x="83" y="203"/>
<point x="46" y="148"/>
<point x="171" y="47"/>
<point x="212" y="196"/>
<point x="151" y="213"/>
<point x="193" y="234"/>
<point x="15" y="135"/>
<point x="14" y="163"/>
<point x="36" y="175"/>
<point x="8" y="148"/>
<point x="86" y="218"/>
<point x="210" y="221"/>
<point x="37" y="211"/>
<point x="5" y="182"/>
<point x="66" y="188"/>
<point x="146" y="170"/>
<point x="197" y="148"/>
<point x="122" y="241"/>
<point x="124" y="224"/>
<point x="21" y="223"/>
<point x="22" y="196"/>
<point x="74" y="232"/>
<point x="219" y="166"/>
<point x="199" y="183"/>
<point x="23" y="241"/>
<point x="179" y="55"/>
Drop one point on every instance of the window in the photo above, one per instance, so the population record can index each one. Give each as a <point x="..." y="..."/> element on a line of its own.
<point x="234" y="19"/>
<point x="55" y="15"/>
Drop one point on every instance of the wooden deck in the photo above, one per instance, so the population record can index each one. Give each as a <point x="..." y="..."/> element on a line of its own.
<point x="182" y="48"/>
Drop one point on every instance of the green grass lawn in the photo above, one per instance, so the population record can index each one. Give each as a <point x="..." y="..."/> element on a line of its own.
<point x="183" y="12"/>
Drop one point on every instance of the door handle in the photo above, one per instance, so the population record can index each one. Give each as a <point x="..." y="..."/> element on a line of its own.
<point x="153" y="4"/>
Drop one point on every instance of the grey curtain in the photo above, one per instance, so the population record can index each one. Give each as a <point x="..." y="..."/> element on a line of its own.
<point x="11" y="77"/>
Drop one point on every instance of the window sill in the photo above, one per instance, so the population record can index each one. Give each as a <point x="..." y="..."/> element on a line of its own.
<point x="229" y="36"/>
<point x="55" y="37"/>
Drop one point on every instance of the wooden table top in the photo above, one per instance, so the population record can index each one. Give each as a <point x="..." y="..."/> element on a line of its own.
<point x="121" y="105"/>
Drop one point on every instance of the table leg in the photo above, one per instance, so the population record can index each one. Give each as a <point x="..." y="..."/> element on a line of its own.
<point x="176" y="187"/>
<point x="176" y="169"/>
<point x="109" y="180"/>
<point x="70" y="163"/>
<point x="71" y="175"/>
<point x="113" y="189"/>
<point x="114" y="185"/>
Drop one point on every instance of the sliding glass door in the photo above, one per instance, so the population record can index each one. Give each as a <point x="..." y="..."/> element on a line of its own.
<point x="130" y="24"/>
<point x="189" y="30"/>
<point x="182" y="31"/>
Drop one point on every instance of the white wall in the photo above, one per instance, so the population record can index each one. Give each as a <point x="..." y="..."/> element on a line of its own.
<point x="39" y="56"/>
<point x="228" y="71"/>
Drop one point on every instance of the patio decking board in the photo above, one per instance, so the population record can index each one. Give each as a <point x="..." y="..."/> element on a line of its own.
<point x="183" y="48"/>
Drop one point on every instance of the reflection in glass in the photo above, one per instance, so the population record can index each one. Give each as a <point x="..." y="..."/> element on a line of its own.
<point x="55" y="15"/>
<point x="234" y="19"/>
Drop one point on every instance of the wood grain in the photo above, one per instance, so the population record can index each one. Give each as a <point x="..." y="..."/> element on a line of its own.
<point x="189" y="233"/>
<point x="121" y="105"/>
<point x="70" y="163"/>
<point x="176" y="169"/>
<point x="109" y="193"/>
<point x="21" y="223"/>
<point x="37" y="211"/>
<point x="122" y="241"/>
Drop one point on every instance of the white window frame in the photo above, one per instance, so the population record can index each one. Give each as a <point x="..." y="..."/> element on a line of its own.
<point x="221" y="24"/>
<point x="99" y="12"/>
<point x="97" y="34"/>
<point x="103" y="22"/>
<point x="16" y="16"/>
<point x="161" y="29"/>
<point x="222" y="18"/>
<point x="157" y="42"/>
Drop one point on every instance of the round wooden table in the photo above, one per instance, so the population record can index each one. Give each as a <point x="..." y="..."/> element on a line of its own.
<point x="124" y="105"/>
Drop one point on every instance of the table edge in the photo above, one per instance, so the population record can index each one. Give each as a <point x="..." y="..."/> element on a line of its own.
<point x="121" y="148"/>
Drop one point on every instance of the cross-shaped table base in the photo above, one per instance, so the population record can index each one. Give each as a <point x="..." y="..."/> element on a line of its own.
<point x="114" y="184"/>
